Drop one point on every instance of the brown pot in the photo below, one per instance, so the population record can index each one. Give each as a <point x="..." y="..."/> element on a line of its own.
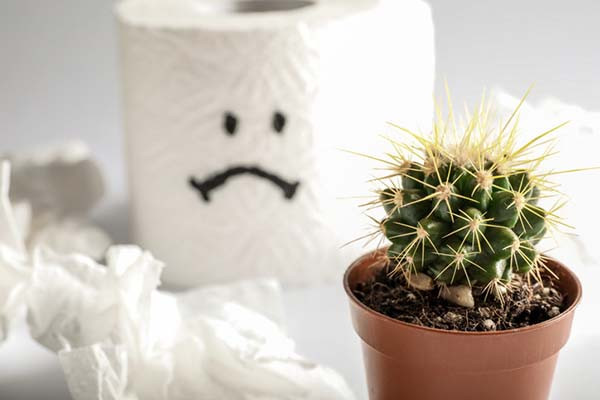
<point x="409" y="362"/>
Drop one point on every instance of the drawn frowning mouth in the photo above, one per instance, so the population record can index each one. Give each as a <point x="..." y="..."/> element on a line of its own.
<point x="205" y="187"/>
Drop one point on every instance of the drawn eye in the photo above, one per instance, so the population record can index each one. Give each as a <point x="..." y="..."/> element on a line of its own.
<point x="230" y="123"/>
<point x="278" y="122"/>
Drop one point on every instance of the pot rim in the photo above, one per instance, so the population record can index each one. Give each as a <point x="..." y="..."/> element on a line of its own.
<point x="408" y="325"/>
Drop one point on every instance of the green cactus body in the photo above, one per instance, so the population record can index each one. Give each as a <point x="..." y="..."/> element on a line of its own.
<point x="534" y="195"/>
<point x="465" y="209"/>
<point x="405" y="205"/>
<point x="397" y="231"/>
<point x="532" y="223"/>
<point x="488" y="269"/>
<point x="446" y="274"/>
<point x="501" y="240"/>
<point x="432" y="230"/>
<point x="503" y="209"/>
<point x="525" y="258"/>
<point x="413" y="177"/>
<point x="468" y="224"/>
<point x="463" y="224"/>
<point x="420" y="261"/>
<point x="501" y="183"/>
<point x="469" y="230"/>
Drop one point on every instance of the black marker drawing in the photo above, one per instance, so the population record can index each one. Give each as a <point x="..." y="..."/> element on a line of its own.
<point x="213" y="182"/>
<point x="230" y="124"/>
<point x="278" y="122"/>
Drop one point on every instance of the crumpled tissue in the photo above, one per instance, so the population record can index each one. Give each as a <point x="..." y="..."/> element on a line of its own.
<point x="13" y="270"/>
<point x="75" y="302"/>
<point x="52" y="193"/>
<point x="71" y="235"/>
<point x="63" y="181"/>
<point x="120" y="338"/>
<point x="39" y="208"/>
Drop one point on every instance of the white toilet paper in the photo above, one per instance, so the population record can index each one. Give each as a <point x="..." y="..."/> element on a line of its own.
<point x="235" y="115"/>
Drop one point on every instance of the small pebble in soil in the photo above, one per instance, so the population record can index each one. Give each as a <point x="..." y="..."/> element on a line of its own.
<point x="452" y="317"/>
<point x="488" y="325"/>
<point x="554" y="311"/>
<point x="485" y="312"/>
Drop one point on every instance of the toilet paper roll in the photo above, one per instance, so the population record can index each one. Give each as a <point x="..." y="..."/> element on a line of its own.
<point x="236" y="112"/>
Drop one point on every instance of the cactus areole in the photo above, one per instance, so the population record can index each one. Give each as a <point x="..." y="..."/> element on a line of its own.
<point x="463" y="204"/>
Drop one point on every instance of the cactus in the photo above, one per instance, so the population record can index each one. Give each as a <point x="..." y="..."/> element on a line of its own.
<point x="461" y="205"/>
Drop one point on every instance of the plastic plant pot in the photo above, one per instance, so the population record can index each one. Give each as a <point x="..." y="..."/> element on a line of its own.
<point x="406" y="361"/>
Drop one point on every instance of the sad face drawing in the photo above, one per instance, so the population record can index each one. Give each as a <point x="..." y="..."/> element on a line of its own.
<point x="231" y="127"/>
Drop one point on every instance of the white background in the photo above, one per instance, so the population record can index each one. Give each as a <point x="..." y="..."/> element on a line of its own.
<point x="59" y="80"/>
